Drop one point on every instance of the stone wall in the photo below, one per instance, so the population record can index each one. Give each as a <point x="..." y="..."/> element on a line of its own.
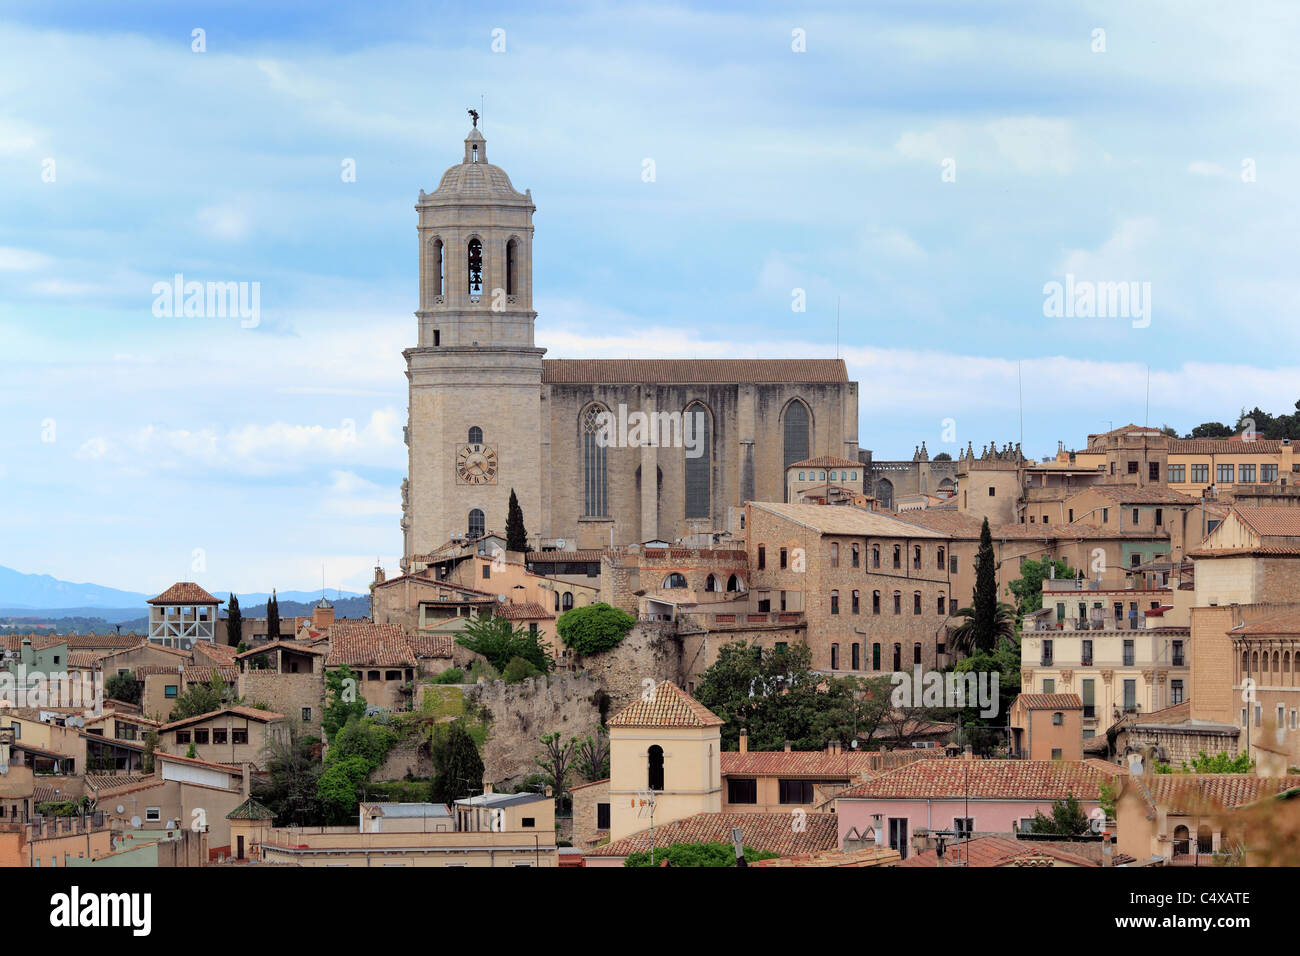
<point x="287" y="694"/>
<point x="650" y="650"/>
<point x="584" y="833"/>
<point x="523" y="713"/>
<point x="403" y="759"/>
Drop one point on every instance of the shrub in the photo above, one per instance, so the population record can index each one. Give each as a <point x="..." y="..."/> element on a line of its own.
<point x="452" y="675"/>
<point x="697" y="854"/>
<point x="518" y="670"/>
<point x="594" y="628"/>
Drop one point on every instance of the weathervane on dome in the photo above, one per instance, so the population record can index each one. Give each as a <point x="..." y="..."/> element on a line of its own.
<point x="474" y="115"/>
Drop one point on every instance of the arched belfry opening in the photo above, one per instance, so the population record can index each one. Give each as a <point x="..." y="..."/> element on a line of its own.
<point x="474" y="266"/>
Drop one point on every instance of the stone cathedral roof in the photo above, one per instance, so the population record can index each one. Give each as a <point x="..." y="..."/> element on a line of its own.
<point x="692" y="371"/>
<point x="474" y="178"/>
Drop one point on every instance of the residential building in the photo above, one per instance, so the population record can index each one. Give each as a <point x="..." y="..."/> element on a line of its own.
<point x="1047" y="727"/>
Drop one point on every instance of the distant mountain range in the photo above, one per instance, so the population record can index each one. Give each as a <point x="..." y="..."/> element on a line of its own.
<point x="22" y="593"/>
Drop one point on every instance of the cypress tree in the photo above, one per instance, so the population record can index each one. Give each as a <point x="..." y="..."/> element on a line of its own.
<point x="273" y="616"/>
<point x="234" y="622"/>
<point x="985" y="599"/>
<point x="516" y="534"/>
<point x="457" y="766"/>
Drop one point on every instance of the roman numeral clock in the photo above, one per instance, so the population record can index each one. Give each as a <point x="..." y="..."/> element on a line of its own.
<point x="476" y="464"/>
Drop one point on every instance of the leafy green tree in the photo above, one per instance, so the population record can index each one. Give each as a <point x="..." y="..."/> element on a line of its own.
<point x="151" y="739"/>
<point x="1028" y="588"/>
<point x="343" y="700"/>
<point x="697" y="854"/>
<point x="273" y="617"/>
<point x="457" y="766"/>
<point x="556" y="763"/>
<point x="591" y="756"/>
<point x="124" y="687"/>
<point x="234" y="622"/>
<point x="516" y="533"/>
<point x="291" y="787"/>
<point x="363" y="737"/>
<point x="500" y="642"/>
<point x="943" y="456"/>
<point x="200" y="698"/>
<point x="338" y="789"/>
<point x="1211" y="430"/>
<point x="519" y="670"/>
<point x="1221" y="762"/>
<point x="1067" y="819"/>
<point x="776" y="696"/>
<point x="987" y="735"/>
<point x="594" y="628"/>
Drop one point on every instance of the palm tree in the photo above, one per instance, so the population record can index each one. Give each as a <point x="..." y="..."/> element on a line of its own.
<point x="966" y="639"/>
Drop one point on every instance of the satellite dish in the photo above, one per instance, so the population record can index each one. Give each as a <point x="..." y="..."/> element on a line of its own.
<point x="559" y="543"/>
<point x="501" y="599"/>
<point x="121" y="809"/>
<point x="135" y="822"/>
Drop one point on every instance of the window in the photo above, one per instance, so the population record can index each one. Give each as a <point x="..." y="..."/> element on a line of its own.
<point x="1135" y="516"/>
<point x="875" y="555"/>
<point x="939" y="607"/>
<point x="153" y="813"/>
<point x="566" y="602"/>
<point x="1058" y="719"/>
<point x="875" y="657"/>
<point x="857" y="608"/>
<point x="656" y="767"/>
<point x="1128" y="653"/>
<point x="796" y="432"/>
<point x="835" y="602"/>
<point x="855" y="561"/>
<point x="392" y="675"/>
<point x="992" y="491"/>
<point x="1223" y="474"/>
<point x="963" y="826"/>
<point x="952" y="564"/>
<point x="1153" y="470"/>
<point x="762" y="557"/>
<point x="1049" y="685"/>
<point x="795" y="791"/>
<point x="916" y="558"/>
<point x="875" y="602"/>
<point x="1268" y="473"/>
<point x="857" y="657"/>
<point x="941" y="563"/>
<point x="835" y="554"/>
<point x="1246" y="473"/>
<point x="602" y="816"/>
<point x="487" y="570"/>
<point x="594" y="421"/>
<point x="475" y="435"/>
<point x="699" y="499"/>
<point x="739" y="790"/>
<point x="182" y="736"/>
<point x="170" y="691"/>
<point x="1201" y="474"/>
<point x="916" y="653"/>
<point x="916" y="602"/>
<point x="1046" y="660"/>
<point x="435" y="271"/>
<point x="1056" y="753"/>
<point x="783" y="558"/>
<point x="512" y="265"/>
<point x="835" y="657"/>
<point x="1105" y="516"/>
<point x="477" y="525"/>
<point x="1130" y="695"/>
<point x="1177" y="654"/>
<point x="898" y="602"/>
<point x="1160" y="517"/>
<point x="1177" y="474"/>
<point x="675" y="580"/>
<point x="528" y="823"/>
<point x="474" y="267"/>
<point x="220" y="735"/>
<point x="1175" y="692"/>
<point x="1085" y="652"/>
<point x="239" y="736"/>
<point x="1089" y="698"/>
<point x="898" y="657"/>
<point x="898" y="556"/>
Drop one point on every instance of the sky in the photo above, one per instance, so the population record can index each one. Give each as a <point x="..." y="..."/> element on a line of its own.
<point x="925" y="169"/>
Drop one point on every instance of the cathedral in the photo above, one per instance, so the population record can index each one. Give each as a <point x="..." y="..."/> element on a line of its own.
<point x="489" y="414"/>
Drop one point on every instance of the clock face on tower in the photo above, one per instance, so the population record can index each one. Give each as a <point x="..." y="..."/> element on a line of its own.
<point x="476" y="464"/>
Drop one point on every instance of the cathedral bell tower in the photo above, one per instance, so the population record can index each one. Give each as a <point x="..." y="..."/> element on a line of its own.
<point x="475" y="376"/>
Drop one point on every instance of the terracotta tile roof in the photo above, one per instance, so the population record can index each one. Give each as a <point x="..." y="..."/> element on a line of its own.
<point x="987" y="779"/>
<point x="1051" y="701"/>
<point x="250" y="809"/>
<point x="560" y="557"/>
<point x="366" y="644"/>
<point x="590" y="783"/>
<point x="75" y="642"/>
<point x="1217" y="791"/>
<point x="1002" y="851"/>
<point x="816" y="763"/>
<point x="202" y="673"/>
<point x="872" y="856"/>
<point x="690" y="371"/>
<point x="152" y="670"/>
<point x="298" y="646"/>
<point x="952" y="524"/>
<point x="104" y="782"/>
<point x="1270" y="522"/>
<point x="527" y="611"/>
<point x="87" y="659"/>
<point x="669" y="706"/>
<point x="252" y="713"/>
<point x="1233" y="445"/>
<point x="426" y="646"/>
<point x="1142" y="494"/>
<point x="13" y="642"/>
<point x="826" y="461"/>
<point x="216" y="653"/>
<point x="184" y="592"/>
<point x="762" y="831"/>
<point x="841" y="519"/>
<point x="1286" y="623"/>
<point x="236" y="769"/>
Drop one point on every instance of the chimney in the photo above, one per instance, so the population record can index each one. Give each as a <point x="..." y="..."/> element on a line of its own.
<point x="1135" y="764"/>
<point x="487" y="788"/>
<point x="744" y="740"/>
<point x="1106" y="850"/>
<point x="967" y="753"/>
<point x="248" y="779"/>
<point x="787" y="746"/>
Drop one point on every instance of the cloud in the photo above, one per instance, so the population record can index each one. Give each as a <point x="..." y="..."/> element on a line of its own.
<point x="223" y="222"/>
<point x="22" y="260"/>
<point x="1030" y="144"/>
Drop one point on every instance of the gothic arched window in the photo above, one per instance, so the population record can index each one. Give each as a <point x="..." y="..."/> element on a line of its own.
<point x="567" y="603"/>
<point x="656" y="767"/>
<point x="435" y="265"/>
<point x="796" y="432"/>
<point x="474" y="264"/>
<point x="699" y="457"/>
<point x="512" y="265"/>
<point x="594" y="502"/>
<point x="675" y="580"/>
<point x="475" y="435"/>
<point x="476" y="525"/>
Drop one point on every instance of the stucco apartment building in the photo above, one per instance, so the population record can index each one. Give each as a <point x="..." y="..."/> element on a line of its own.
<point x="233" y="735"/>
<point x="1047" y="727"/>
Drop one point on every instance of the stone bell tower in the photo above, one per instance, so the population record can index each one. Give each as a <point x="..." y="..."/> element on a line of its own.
<point x="475" y="418"/>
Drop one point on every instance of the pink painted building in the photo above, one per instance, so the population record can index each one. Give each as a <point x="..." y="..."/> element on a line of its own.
<point x="965" y="795"/>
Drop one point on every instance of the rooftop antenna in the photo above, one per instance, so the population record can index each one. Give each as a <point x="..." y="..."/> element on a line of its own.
<point x="1020" y="390"/>
<point x="837" y="326"/>
<point x="1147" y="421"/>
